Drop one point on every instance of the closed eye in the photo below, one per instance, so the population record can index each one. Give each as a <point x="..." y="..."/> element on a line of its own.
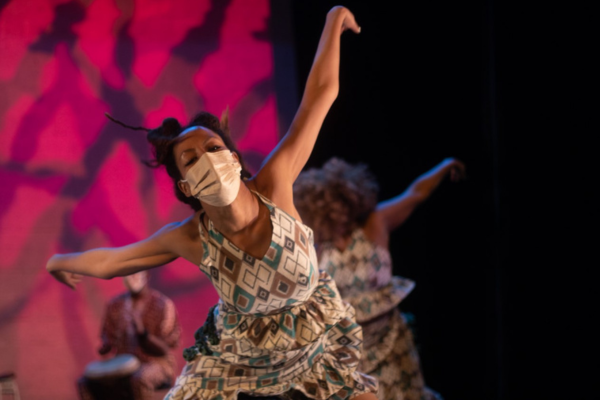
<point x="192" y="160"/>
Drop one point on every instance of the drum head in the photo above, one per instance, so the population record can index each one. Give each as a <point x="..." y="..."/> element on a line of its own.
<point x="118" y="366"/>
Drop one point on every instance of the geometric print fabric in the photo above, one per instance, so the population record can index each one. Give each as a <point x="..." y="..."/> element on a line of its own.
<point x="280" y="323"/>
<point x="285" y="275"/>
<point x="363" y="275"/>
<point x="394" y="360"/>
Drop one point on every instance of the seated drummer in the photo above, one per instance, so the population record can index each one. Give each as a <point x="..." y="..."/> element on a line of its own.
<point x="142" y="322"/>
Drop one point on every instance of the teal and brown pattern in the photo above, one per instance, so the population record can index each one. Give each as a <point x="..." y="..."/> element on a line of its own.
<point x="280" y="323"/>
<point x="363" y="275"/>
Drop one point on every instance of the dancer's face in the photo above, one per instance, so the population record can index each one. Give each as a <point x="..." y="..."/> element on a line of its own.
<point x="191" y="144"/>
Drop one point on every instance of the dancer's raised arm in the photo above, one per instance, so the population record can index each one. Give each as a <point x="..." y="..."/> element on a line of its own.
<point x="285" y="162"/>
<point x="393" y="212"/>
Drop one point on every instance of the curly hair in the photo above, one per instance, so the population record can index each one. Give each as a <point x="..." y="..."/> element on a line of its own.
<point x="164" y="138"/>
<point x="336" y="198"/>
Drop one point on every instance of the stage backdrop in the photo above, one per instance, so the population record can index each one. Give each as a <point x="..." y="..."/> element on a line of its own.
<point x="73" y="180"/>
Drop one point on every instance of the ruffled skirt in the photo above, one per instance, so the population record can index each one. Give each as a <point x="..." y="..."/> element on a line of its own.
<point x="314" y="347"/>
<point x="390" y="355"/>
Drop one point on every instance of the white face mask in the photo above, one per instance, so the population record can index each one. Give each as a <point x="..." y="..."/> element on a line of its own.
<point x="215" y="178"/>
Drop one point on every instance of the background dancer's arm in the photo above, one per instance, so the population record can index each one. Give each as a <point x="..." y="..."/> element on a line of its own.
<point x="397" y="209"/>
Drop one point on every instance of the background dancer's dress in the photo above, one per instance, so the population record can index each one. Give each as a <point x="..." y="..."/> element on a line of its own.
<point x="352" y="231"/>
<point x="363" y="274"/>
<point x="280" y="324"/>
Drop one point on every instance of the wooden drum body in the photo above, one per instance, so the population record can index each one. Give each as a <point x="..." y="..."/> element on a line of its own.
<point x="110" y="379"/>
<point x="117" y="367"/>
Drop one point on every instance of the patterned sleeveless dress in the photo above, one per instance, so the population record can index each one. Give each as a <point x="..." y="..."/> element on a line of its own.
<point x="363" y="274"/>
<point x="280" y="326"/>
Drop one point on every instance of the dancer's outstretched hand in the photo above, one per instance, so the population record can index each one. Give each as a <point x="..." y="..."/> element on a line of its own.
<point x="347" y="18"/>
<point x="68" y="278"/>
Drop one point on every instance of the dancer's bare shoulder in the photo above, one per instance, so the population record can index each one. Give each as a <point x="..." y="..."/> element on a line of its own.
<point x="279" y="192"/>
<point x="182" y="238"/>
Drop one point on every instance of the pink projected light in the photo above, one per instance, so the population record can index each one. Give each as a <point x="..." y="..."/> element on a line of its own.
<point x="98" y="39"/>
<point x="73" y="180"/>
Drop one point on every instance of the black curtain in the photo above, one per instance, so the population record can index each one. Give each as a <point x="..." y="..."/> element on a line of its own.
<point x="504" y="261"/>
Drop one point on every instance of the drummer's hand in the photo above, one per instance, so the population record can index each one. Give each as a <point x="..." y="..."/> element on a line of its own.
<point x="105" y="348"/>
<point x="68" y="278"/>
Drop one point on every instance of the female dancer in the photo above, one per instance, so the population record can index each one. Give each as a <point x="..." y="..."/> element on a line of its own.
<point x="280" y="326"/>
<point x="352" y="231"/>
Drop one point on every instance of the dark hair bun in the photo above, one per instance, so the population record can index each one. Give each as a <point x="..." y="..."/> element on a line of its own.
<point x="161" y="140"/>
<point x="171" y="127"/>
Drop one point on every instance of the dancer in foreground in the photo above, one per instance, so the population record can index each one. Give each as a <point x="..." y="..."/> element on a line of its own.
<point x="280" y="326"/>
<point x="352" y="231"/>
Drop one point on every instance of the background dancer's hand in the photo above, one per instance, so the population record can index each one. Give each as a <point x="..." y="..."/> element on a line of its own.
<point x="457" y="169"/>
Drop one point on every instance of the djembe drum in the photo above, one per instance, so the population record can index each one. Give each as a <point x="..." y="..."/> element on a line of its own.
<point x="110" y="379"/>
